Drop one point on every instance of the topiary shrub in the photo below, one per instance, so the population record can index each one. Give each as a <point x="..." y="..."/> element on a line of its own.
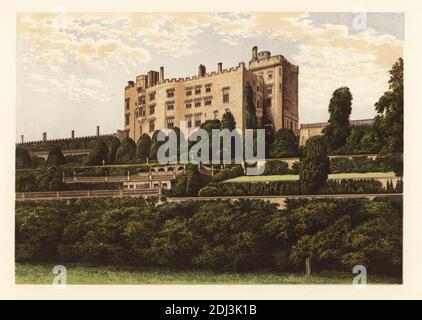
<point x="210" y="192"/>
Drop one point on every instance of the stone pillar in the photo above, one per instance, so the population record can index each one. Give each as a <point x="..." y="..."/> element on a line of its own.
<point x="22" y="140"/>
<point x="73" y="134"/>
<point x="98" y="131"/>
<point x="44" y="136"/>
<point x="220" y="67"/>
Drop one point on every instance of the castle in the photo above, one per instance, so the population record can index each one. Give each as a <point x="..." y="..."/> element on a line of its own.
<point x="153" y="102"/>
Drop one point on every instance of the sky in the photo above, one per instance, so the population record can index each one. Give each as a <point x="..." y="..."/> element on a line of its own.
<point x="72" y="67"/>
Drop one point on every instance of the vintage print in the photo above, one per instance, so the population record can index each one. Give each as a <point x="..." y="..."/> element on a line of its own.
<point x="209" y="148"/>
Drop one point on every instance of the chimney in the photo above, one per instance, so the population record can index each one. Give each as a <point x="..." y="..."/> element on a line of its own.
<point x="149" y="79"/>
<point x="22" y="138"/>
<point x="73" y="134"/>
<point x="254" y="53"/>
<point x="98" y="131"/>
<point x="201" y="70"/>
<point x="220" y="67"/>
<point x="161" y="74"/>
<point x="44" y="136"/>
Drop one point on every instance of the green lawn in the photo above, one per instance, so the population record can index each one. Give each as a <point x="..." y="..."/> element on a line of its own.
<point x="293" y="177"/>
<point x="89" y="274"/>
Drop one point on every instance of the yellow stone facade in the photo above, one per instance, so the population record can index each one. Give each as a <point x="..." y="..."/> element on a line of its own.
<point x="153" y="102"/>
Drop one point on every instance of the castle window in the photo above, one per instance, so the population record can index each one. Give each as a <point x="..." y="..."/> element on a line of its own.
<point x="270" y="74"/>
<point x="208" y="88"/>
<point x="152" y="96"/>
<point x="141" y="100"/>
<point x="197" y="120"/>
<point x="188" y="105"/>
<point x="170" y="93"/>
<point x="127" y="117"/>
<point x="152" y="109"/>
<point x="268" y="102"/>
<point x="197" y="104"/>
<point x="127" y="101"/>
<point x="270" y="89"/>
<point x="226" y="95"/>
<point x="170" y="105"/>
<point x="207" y="101"/>
<point x="215" y="114"/>
<point x="141" y="112"/>
<point x="170" y="122"/>
<point x="188" y="91"/>
<point x="152" y="126"/>
<point x="198" y="90"/>
<point x="257" y="104"/>
<point x="189" y="121"/>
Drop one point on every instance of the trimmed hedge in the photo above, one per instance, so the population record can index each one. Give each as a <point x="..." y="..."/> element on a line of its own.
<point x="383" y="163"/>
<point x="294" y="188"/>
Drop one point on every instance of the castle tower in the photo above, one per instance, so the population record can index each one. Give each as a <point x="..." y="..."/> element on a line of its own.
<point x="281" y="88"/>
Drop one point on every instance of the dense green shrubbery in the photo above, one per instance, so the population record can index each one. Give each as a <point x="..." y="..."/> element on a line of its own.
<point x="276" y="167"/>
<point x="50" y="179"/>
<point x="272" y="188"/>
<point x="228" y="173"/>
<point x="210" y="191"/>
<point x="216" y="235"/>
<point x="186" y="185"/>
<point x="383" y="163"/>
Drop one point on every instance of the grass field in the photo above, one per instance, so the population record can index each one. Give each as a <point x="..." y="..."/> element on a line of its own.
<point x="293" y="177"/>
<point x="89" y="274"/>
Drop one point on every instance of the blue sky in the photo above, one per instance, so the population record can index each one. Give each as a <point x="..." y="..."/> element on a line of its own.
<point x="72" y="67"/>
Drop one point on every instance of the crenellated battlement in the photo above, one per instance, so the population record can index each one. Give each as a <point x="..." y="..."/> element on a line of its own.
<point x="239" y="67"/>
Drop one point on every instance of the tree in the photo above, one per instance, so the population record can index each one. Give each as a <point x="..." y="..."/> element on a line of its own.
<point x="250" y="112"/>
<point x="286" y="144"/>
<point x="208" y="126"/>
<point x="362" y="140"/>
<point x="389" y="121"/>
<point x="338" y="128"/>
<point x="98" y="154"/>
<point x="228" y="121"/>
<point x="126" y="152"/>
<point x="112" y="149"/>
<point x="193" y="181"/>
<point x="55" y="157"/>
<point x="174" y="245"/>
<point x="23" y="159"/>
<point x="155" y="145"/>
<point x="314" y="165"/>
<point x="143" y="147"/>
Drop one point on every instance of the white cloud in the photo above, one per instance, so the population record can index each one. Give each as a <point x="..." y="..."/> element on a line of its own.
<point x="328" y="55"/>
<point x="77" y="89"/>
